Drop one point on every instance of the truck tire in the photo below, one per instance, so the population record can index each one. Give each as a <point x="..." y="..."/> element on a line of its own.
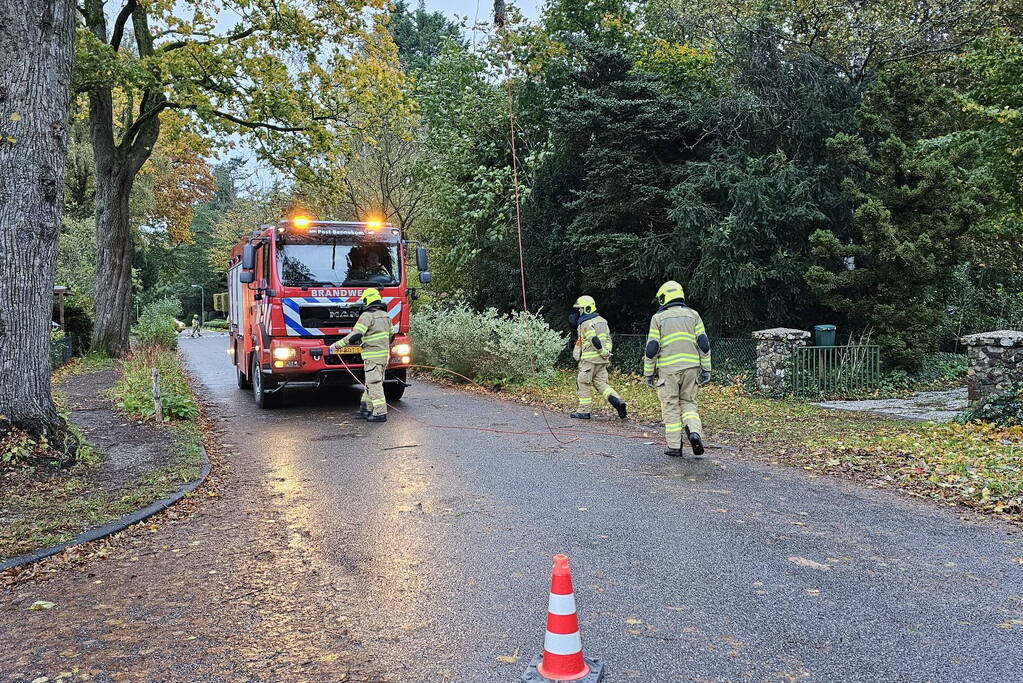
<point x="264" y="401"/>
<point x="393" y="391"/>
<point x="243" y="381"/>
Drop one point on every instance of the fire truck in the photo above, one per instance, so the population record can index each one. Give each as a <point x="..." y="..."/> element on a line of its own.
<point x="294" y="289"/>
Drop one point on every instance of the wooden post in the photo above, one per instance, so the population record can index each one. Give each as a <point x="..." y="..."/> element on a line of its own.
<point x="62" y="311"/>
<point x="157" y="399"/>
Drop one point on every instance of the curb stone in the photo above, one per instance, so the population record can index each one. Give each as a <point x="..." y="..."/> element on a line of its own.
<point x="117" y="525"/>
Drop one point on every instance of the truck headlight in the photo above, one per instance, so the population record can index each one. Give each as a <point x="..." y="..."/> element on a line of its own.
<point x="284" y="352"/>
<point x="401" y="349"/>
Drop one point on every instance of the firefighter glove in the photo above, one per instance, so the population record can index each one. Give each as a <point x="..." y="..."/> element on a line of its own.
<point x="650" y="381"/>
<point x="704" y="377"/>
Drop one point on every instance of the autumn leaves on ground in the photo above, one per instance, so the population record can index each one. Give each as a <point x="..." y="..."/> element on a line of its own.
<point x="976" y="464"/>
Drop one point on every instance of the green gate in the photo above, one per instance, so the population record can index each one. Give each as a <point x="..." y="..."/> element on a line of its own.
<point x="835" y="371"/>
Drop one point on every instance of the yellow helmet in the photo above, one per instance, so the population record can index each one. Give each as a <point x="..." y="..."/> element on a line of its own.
<point x="370" y="296"/>
<point x="670" y="291"/>
<point x="586" y="303"/>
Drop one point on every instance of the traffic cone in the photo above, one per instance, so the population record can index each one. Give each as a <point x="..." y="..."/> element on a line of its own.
<point x="562" y="658"/>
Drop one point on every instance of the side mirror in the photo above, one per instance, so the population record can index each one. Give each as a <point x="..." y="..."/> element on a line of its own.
<point x="248" y="257"/>
<point x="421" y="259"/>
<point x="425" y="277"/>
<point x="246" y="277"/>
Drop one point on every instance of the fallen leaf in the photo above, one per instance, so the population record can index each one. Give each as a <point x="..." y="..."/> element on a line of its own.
<point x="633" y="621"/>
<point x="41" y="605"/>
<point x="803" y="562"/>
<point x="328" y="658"/>
<point x="509" y="659"/>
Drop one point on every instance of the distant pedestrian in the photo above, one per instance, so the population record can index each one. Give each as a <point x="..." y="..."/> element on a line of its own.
<point x="676" y="362"/>
<point x="593" y="352"/>
<point x="196" y="326"/>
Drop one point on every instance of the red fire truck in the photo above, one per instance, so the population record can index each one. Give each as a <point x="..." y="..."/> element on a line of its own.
<point x="294" y="289"/>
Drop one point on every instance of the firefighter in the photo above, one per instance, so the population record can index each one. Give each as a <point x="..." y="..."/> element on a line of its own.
<point x="196" y="327"/>
<point x="593" y="352"/>
<point x="373" y="333"/>
<point x="676" y="362"/>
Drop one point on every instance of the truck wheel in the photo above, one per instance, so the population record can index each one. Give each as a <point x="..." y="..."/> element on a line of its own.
<point x="393" y="391"/>
<point x="243" y="381"/>
<point x="264" y="400"/>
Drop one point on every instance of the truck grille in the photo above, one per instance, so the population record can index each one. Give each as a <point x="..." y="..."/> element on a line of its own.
<point x="321" y="315"/>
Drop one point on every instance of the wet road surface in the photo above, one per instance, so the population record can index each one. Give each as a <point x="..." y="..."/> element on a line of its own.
<point x="341" y="550"/>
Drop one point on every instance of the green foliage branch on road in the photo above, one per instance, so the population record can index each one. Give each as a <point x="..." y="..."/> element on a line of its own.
<point x="487" y="347"/>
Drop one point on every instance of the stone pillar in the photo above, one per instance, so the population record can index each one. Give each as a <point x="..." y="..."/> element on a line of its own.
<point x="774" y="349"/>
<point x="996" y="361"/>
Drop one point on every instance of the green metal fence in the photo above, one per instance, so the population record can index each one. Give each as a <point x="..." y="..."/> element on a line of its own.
<point x="61" y="351"/>
<point x="734" y="359"/>
<point x="835" y="371"/>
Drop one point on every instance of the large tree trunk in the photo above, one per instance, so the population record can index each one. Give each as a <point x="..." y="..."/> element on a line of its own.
<point x="114" y="246"/>
<point x="117" y="164"/>
<point x="36" y="55"/>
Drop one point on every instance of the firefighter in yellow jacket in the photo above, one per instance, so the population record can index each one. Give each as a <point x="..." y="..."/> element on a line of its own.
<point x="676" y="362"/>
<point x="593" y="352"/>
<point x="373" y="333"/>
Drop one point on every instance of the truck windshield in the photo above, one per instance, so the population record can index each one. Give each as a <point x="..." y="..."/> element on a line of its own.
<point x="337" y="261"/>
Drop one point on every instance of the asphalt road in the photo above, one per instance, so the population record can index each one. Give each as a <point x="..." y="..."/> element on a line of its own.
<point x="432" y="548"/>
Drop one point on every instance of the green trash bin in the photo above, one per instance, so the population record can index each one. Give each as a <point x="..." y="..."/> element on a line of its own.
<point x="824" y="335"/>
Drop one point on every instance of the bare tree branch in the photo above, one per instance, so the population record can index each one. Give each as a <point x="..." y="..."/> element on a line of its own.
<point x="178" y="44"/>
<point x="122" y="19"/>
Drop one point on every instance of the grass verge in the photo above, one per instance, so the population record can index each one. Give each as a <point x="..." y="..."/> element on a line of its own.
<point x="977" y="465"/>
<point x="44" y="506"/>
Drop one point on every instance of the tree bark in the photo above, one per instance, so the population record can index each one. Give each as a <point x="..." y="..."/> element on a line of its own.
<point x="117" y="164"/>
<point x="36" y="56"/>
<point x="115" y="244"/>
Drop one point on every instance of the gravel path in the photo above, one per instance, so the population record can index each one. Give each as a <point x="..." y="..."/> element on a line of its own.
<point x="933" y="406"/>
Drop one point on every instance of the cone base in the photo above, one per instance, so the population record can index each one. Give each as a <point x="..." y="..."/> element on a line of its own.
<point x="594" y="675"/>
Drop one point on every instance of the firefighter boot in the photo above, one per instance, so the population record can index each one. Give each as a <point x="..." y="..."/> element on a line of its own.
<point x="580" y="416"/>
<point x="619" y="405"/>
<point x="364" y="411"/>
<point x="696" y="441"/>
<point x="377" y="418"/>
<point x="674" y="452"/>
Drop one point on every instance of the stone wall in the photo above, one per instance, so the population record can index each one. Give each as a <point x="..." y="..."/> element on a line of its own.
<point x="774" y="349"/>
<point x="996" y="361"/>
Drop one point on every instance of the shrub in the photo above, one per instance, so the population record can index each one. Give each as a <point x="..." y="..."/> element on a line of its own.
<point x="134" y="390"/>
<point x="216" y="324"/>
<point x="156" y="324"/>
<point x="942" y="369"/>
<point x="486" y="346"/>
<point x="1004" y="408"/>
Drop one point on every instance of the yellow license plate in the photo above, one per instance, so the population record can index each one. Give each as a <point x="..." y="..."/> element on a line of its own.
<point x="345" y="350"/>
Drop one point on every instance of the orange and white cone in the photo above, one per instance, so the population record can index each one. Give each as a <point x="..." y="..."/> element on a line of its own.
<point x="562" y="658"/>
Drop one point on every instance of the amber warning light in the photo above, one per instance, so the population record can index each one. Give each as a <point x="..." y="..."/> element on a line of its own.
<point x="300" y="222"/>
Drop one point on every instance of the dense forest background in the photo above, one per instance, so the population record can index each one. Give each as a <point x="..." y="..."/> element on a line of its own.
<point x="791" y="164"/>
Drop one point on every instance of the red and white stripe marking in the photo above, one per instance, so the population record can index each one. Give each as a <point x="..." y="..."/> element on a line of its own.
<point x="562" y="644"/>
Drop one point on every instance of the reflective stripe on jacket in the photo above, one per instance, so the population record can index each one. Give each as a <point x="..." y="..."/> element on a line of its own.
<point x="375" y="327"/>
<point x="676" y="329"/>
<point x="589" y="329"/>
